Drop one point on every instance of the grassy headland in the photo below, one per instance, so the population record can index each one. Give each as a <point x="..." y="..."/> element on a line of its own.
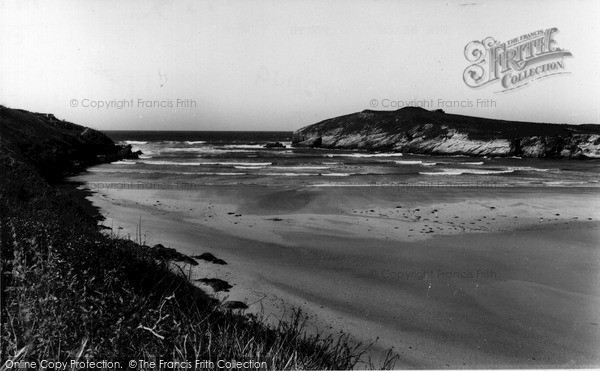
<point x="69" y="291"/>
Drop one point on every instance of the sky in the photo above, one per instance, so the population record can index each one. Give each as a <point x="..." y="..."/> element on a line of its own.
<point x="282" y="65"/>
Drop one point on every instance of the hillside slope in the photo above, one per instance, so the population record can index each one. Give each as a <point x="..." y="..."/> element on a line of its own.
<point x="55" y="147"/>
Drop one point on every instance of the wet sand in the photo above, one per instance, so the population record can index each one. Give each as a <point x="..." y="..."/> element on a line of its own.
<point x="461" y="278"/>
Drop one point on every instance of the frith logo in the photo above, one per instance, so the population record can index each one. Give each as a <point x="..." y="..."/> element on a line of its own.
<point x="514" y="63"/>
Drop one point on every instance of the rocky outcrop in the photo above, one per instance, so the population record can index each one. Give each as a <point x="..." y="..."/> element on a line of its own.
<point x="416" y="130"/>
<point x="55" y="147"/>
<point x="274" y="145"/>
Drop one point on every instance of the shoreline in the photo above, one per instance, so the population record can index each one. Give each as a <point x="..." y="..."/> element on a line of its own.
<point x="261" y="272"/>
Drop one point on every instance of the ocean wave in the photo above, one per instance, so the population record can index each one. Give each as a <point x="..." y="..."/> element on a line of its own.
<point x="249" y="167"/>
<point x="140" y="171"/>
<point x="245" y="146"/>
<point x="286" y="174"/>
<point x="415" y="162"/>
<point x="306" y="174"/>
<point x="195" y="141"/>
<point x="467" y="171"/>
<point x="563" y="183"/>
<point x="300" y="167"/>
<point x="223" y="174"/>
<point x="190" y="149"/>
<point x="166" y="163"/>
<point x="472" y="163"/>
<point x="360" y="155"/>
<point x="121" y="170"/>
<point x="254" y="164"/>
<point x="135" y="142"/>
<point x="528" y="168"/>
<point x="173" y="163"/>
<point x="201" y="150"/>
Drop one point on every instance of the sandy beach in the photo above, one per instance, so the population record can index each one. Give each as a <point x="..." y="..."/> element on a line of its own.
<point x="448" y="277"/>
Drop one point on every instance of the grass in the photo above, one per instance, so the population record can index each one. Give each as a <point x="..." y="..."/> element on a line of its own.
<point x="71" y="292"/>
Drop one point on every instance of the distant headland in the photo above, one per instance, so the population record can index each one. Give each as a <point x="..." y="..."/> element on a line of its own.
<point x="417" y="130"/>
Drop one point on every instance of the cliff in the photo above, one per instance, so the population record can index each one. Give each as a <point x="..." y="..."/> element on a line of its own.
<point x="54" y="147"/>
<point x="416" y="130"/>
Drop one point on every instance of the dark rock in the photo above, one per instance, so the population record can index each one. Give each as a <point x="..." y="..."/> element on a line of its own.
<point x="235" y="305"/>
<point x="216" y="284"/>
<point x="274" y="145"/>
<point x="167" y="253"/>
<point x="210" y="258"/>
<point x="205" y="256"/>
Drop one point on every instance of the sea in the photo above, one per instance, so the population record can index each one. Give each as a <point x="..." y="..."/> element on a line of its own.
<point x="242" y="157"/>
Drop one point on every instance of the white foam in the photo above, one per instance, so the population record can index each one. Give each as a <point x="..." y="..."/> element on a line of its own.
<point x="360" y="155"/>
<point x="225" y="174"/>
<point x="467" y="171"/>
<point x="245" y="146"/>
<point x="472" y="163"/>
<point x="189" y="149"/>
<point x="135" y="142"/>
<point x="238" y="163"/>
<point x="253" y="164"/>
<point x="195" y="141"/>
<point x="287" y="174"/>
<point x="300" y="167"/>
<point x="415" y="162"/>
<point x="569" y="183"/>
<point x="119" y="170"/>
<point x="528" y="168"/>
<point x="338" y="185"/>
<point x="212" y="173"/>
<point x="171" y="163"/>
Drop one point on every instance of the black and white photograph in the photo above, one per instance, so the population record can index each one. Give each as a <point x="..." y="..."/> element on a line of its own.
<point x="299" y="185"/>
